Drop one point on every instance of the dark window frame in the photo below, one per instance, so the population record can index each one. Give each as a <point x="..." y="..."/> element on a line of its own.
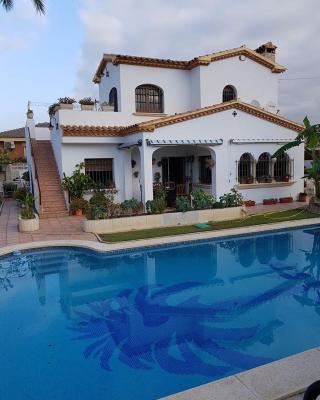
<point x="149" y="99"/>
<point x="101" y="171"/>
<point x="113" y="98"/>
<point x="229" y="93"/>
<point x="245" y="168"/>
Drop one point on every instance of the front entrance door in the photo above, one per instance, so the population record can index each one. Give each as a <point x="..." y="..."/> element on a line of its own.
<point x="173" y="174"/>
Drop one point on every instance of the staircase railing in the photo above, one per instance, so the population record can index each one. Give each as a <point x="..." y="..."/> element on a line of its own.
<point x="33" y="173"/>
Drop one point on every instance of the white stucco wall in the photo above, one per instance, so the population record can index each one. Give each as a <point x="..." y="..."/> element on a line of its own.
<point x="108" y="82"/>
<point x="251" y="80"/>
<point x="174" y="83"/>
<point x="202" y="86"/>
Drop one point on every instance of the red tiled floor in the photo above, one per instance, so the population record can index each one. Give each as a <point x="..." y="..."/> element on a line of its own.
<point x="50" y="229"/>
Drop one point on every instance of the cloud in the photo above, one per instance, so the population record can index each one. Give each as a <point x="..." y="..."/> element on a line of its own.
<point x="20" y="27"/>
<point x="182" y="30"/>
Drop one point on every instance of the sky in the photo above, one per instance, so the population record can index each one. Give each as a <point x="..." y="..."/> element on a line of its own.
<point x="46" y="57"/>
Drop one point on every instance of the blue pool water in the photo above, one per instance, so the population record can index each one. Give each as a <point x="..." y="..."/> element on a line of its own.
<point x="75" y="324"/>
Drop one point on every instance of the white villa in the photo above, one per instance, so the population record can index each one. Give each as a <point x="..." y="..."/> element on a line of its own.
<point x="211" y="122"/>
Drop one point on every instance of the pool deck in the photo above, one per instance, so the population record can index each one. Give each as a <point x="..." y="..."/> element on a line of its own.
<point x="50" y="228"/>
<point x="284" y="379"/>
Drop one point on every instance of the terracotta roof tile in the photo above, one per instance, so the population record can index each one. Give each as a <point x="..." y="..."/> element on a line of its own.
<point x="186" y="65"/>
<point x="14" y="133"/>
<point x="150" y="126"/>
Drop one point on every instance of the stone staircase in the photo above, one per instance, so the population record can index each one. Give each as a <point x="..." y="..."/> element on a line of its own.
<point x="52" y="199"/>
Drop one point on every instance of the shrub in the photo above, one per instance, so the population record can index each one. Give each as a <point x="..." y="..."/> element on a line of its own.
<point x="202" y="200"/>
<point x="78" y="204"/>
<point x="218" y="204"/>
<point x="27" y="207"/>
<point x="232" y="199"/>
<point x="77" y="183"/>
<point x="131" y="206"/>
<point x="52" y="108"/>
<point x="87" y="101"/>
<point x="158" y="204"/>
<point x="95" y="212"/>
<point x="66" y="100"/>
<point x="99" y="199"/>
<point x="183" y="204"/>
<point x="20" y="194"/>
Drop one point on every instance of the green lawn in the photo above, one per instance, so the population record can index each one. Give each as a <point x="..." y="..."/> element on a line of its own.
<point x="256" y="219"/>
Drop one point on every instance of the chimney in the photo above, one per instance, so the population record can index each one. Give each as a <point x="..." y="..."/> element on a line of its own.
<point x="267" y="50"/>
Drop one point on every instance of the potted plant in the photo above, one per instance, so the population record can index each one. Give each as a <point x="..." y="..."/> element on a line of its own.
<point x="107" y="107"/>
<point x="286" y="199"/>
<point x="86" y="103"/>
<point x="249" y="179"/>
<point x="78" y="206"/>
<point x="28" y="220"/>
<point x="77" y="183"/>
<point x="268" y="202"/>
<point x="286" y="178"/>
<point x="66" y="102"/>
<point x="302" y="197"/>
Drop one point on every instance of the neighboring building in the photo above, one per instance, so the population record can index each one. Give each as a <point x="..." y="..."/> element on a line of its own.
<point x="211" y="123"/>
<point x="14" y="143"/>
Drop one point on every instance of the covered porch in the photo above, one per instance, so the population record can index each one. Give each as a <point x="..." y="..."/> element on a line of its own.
<point x="181" y="166"/>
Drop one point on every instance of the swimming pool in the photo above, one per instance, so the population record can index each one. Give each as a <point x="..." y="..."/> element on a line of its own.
<point x="142" y="324"/>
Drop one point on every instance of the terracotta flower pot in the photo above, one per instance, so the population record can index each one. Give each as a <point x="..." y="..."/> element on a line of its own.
<point x="249" y="203"/>
<point x="269" y="202"/>
<point x="79" y="213"/>
<point x="286" y="200"/>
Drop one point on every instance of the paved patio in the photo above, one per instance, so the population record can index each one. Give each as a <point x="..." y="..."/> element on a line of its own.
<point x="69" y="228"/>
<point x="64" y="228"/>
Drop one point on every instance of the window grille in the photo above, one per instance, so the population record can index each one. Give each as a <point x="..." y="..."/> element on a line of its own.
<point x="149" y="99"/>
<point x="113" y="99"/>
<point x="263" y="168"/>
<point x="282" y="168"/>
<point x="229" y="93"/>
<point x="205" y="176"/>
<point x="245" y="168"/>
<point x="100" y="171"/>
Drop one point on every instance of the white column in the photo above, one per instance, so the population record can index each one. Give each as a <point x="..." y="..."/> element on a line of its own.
<point x="146" y="176"/>
<point x="127" y="174"/>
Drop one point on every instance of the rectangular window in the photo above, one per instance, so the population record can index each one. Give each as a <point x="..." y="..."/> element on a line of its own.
<point x="100" y="171"/>
<point x="205" y="176"/>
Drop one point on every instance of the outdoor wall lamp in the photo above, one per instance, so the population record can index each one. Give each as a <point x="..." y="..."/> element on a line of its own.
<point x="51" y="126"/>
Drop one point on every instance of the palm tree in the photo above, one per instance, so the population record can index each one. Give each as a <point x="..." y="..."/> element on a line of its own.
<point x="38" y="4"/>
<point x="310" y="137"/>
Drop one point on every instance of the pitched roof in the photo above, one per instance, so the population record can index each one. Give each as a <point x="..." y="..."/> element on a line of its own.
<point x="13" y="133"/>
<point x="150" y="126"/>
<point x="186" y="65"/>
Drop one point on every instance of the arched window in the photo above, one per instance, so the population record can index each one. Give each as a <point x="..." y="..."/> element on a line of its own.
<point x="263" y="168"/>
<point x="282" y="168"/>
<point x="113" y="99"/>
<point x="229" y="93"/>
<point x="245" y="168"/>
<point x="149" y="99"/>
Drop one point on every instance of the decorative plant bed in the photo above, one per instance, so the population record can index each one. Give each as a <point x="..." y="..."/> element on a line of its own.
<point x="269" y="202"/>
<point x="249" y="203"/>
<point x="286" y="200"/>
<point x="29" y="225"/>
<point x="149" y="221"/>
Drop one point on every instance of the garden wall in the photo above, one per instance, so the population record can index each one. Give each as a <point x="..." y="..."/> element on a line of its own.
<point x="161" y="220"/>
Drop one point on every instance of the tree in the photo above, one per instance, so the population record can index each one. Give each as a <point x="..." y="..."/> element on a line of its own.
<point x="38" y="4"/>
<point x="310" y="137"/>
